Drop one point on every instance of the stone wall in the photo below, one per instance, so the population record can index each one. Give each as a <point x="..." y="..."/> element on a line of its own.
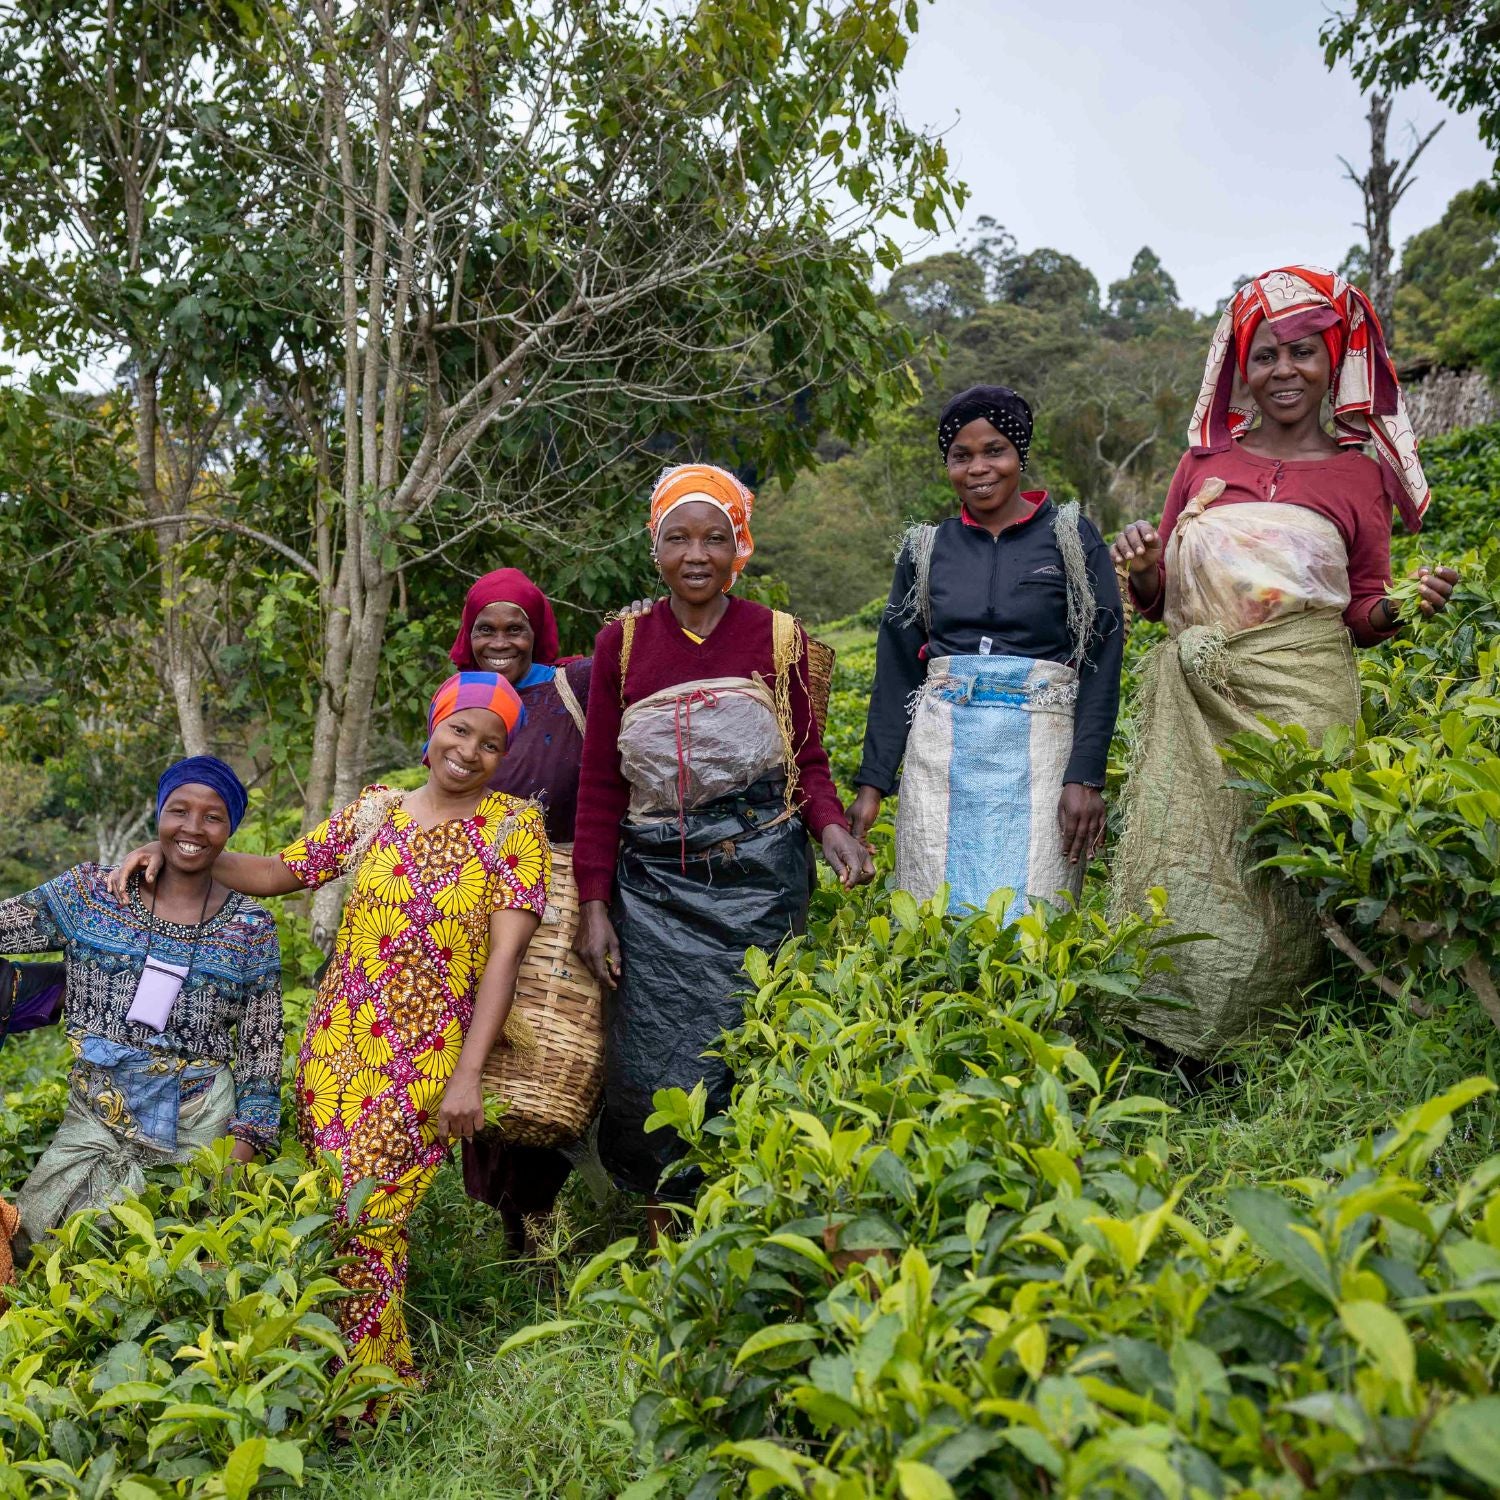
<point x="1443" y="400"/>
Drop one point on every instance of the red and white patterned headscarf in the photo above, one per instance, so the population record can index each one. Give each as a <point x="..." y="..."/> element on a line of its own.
<point x="1366" y="396"/>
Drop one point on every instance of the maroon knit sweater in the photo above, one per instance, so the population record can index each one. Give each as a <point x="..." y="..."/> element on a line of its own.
<point x="661" y="656"/>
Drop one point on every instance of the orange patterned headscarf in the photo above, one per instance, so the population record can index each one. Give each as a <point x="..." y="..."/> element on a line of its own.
<point x="713" y="486"/>
<point x="1368" y="407"/>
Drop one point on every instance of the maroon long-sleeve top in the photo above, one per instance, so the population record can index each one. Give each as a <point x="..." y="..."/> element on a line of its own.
<point x="1352" y="491"/>
<point x="662" y="656"/>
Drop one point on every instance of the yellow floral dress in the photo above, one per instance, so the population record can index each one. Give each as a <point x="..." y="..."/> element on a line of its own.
<point x="389" y="1020"/>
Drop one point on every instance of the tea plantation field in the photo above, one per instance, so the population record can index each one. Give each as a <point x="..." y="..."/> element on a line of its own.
<point x="958" y="1236"/>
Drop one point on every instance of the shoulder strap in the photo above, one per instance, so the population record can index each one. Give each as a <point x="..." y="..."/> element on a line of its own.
<point x="786" y="652"/>
<point x="369" y="820"/>
<point x="627" y="640"/>
<point x="917" y="541"/>
<point x="1080" y="591"/>
<point x="570" y="698"/>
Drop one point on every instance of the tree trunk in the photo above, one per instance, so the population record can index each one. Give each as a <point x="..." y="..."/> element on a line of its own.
<point x="1382" y="186"/>
<point x="178" y="662"/>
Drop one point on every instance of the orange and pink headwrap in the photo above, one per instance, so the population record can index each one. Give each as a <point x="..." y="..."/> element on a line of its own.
<point x="476" y="690"/>
<point x="1368" y="407"/>
<point x="714" y="486"/>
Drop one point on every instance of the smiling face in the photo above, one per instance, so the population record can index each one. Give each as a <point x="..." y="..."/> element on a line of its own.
<point x="502" y="641"/>
<point x="465" y="750"/>
<point x="193" y="827"/>
<point x="1288" y="381"/>
<point x="984" y="468"/>
<point x="695" y="552"/>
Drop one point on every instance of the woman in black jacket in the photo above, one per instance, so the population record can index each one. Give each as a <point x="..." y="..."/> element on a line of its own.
<point x="997" y="678"/>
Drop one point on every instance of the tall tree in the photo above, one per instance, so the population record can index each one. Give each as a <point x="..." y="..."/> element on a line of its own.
<point x="1451" y="46"/>
<point x="1449" y="287"/>
<point x="117" y="257"/>
<point x="936" y="294"/>
<point x="1140" y="300"/>
<point x="1382" y="185"/>
<point x="551" y="237"/>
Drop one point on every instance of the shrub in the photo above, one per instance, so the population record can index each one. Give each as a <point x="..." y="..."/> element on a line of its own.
<point x="177" y="1343"/>
<point x="1395" y="833"/>
<point x="938" y="1253"/>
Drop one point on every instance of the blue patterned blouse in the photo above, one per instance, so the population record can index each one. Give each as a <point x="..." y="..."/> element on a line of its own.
<point x="228" y="1012"/>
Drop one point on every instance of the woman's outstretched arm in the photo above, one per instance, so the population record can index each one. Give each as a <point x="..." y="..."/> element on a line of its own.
<point x="249" y="874"/>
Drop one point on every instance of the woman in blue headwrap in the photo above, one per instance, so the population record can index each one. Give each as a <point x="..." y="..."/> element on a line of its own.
<point x="172" y="1007"/>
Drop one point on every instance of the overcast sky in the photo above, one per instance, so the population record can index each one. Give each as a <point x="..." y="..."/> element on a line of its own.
<point x="1209" y="131"/>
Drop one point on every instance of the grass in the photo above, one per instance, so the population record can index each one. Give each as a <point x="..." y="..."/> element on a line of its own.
<point x="548" y="1420"/>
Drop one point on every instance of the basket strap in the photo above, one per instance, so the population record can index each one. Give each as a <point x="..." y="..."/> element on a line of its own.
<point x="570" y="698"/>
<point x="627" y="640"/>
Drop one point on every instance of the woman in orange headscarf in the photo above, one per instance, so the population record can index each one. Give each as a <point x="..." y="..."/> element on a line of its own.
<point x="703" y="773"/>
<point x="1272" y="560"/>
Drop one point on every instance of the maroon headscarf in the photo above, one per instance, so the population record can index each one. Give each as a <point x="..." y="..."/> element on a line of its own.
<point x="506" y="586"/>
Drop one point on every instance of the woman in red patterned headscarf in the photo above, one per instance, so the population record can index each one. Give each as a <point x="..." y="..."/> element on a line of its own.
<point x="1273" y="557"/>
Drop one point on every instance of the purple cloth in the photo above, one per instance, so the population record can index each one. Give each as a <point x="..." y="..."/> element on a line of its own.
<point x="31" y="996"/>
<point x="547" y="753"/>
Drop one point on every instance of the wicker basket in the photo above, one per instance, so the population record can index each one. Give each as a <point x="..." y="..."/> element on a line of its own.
<point x="820" y="659"/>
<point x="552" y="1093"/>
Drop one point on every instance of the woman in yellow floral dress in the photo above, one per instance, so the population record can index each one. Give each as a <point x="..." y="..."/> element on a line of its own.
<point x="449" y="884"/>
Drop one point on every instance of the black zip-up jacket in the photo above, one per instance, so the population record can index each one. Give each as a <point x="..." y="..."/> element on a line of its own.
<point x="1010" y="590"/>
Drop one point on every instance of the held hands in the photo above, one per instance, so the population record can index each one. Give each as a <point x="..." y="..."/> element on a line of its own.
<point x="1138" y="549"/>
<point x="863" y="812"/>
<point x="146" y="861"/>
<point x="597" y="944"/>
<point x="1080" y="816"/>
<point x="848" y="856"/>
<point x="461" y="1114"/>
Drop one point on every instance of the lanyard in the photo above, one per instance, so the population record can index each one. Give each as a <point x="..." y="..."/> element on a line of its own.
<point x="197" y="932"/>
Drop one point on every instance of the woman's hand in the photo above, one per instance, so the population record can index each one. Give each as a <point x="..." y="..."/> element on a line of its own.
<point x="147" y="860"/>
<point x="1435" y="589"/>
<point x="636" y="608"/>
<point x="460" y="1116"/>
<point x="241" y="1154"/>
<point x="597" y="943"/>
<point x="1138" y="549"/>
<point x="1080" y="816"/>
<point x="863" y="812"/>
<point x="849" y="858"/>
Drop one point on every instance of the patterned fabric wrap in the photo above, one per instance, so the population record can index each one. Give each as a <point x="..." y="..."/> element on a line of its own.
<point x="1368" y="406"/>
<point x="229" y="1009"/>
<point x="476" y="690"/>
<point x="985" y="758"/>
<point x="137" y="1093"/>
<point x="388" y="1023"/>
<point x="88" y="1164"/>
<point x="715" y="486"/>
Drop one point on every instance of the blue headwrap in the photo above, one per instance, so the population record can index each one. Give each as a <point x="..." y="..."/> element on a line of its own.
<point x="209" y="771"/>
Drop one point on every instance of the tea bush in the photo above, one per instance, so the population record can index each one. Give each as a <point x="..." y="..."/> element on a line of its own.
<point x="179" y="1342"/>
<point x="1395" y="833"/>
<point x="939" y="1253"/>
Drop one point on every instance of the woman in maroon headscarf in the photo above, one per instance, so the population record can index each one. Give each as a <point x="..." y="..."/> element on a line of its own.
<point x="508" y="627"/>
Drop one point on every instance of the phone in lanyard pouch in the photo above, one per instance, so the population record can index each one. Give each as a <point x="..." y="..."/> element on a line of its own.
<point x="160" y="984"/>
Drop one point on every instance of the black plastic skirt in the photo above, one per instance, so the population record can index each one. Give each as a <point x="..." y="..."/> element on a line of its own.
<point x="683" y="934"/>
